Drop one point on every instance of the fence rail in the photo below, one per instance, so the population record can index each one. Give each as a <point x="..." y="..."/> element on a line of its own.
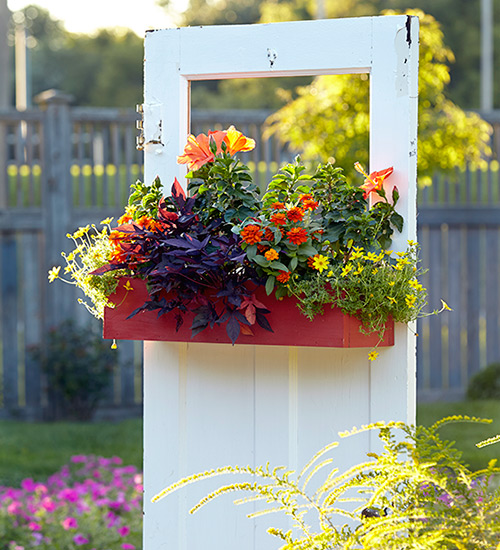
<point x="61" y="168"/>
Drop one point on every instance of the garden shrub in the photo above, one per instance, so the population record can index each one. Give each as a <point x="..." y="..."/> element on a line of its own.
<point x="414" y="494"/>
<point x="79" y="366"/>
<point x="485" y="384"/>
<point x="92" y="503"/>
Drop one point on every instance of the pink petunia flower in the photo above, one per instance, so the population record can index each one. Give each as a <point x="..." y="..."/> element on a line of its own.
<point x="127" y="546"/>
<point x="28" y="485"/>
<point x="124" y="530"/>
<point x="14" y="508"/>
<point x="48" y="504"/>
<point x="79" y="539"/>
<point x="69" y="523"/>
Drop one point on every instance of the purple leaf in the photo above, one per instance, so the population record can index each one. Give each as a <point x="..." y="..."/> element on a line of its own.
<point x="233" y="329"/>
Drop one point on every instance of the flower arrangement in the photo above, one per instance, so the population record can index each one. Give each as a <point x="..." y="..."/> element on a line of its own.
<point x="313" y="237"/>
<point x="93" y="502"/>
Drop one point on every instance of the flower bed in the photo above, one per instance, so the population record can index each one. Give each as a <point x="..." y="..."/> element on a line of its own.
<point x="92" y="503"/>
<point x="222" y="256"/>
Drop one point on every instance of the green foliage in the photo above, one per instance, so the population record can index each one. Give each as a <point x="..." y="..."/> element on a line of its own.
<point x="463" y="37"/>
<point x="79" y="365"/>
<point x="315" y="238"/>
<point x="144" y="199"/>
<point x="93" y="249"/>
<point x="371" y="287"/>
<point x="221" y="12"/>
<point x="223" y="189"/>
<point x="414" y="493"/>
<point x="485" y="384"/>
<point x="104" y="69"/>
<point x="329" y="120"/>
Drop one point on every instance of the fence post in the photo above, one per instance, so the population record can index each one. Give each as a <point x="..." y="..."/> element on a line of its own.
<point x="56" y="197"/>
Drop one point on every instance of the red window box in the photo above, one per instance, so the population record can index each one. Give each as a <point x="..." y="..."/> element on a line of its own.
<point x="291" y="328"/>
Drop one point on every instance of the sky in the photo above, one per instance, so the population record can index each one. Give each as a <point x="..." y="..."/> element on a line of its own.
<point x="86" y="16"/>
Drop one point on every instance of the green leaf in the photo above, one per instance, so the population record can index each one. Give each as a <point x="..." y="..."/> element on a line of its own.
<point x="397" y="221"/>
<point x="307" y="250"/>
<point x="281" y="292"/>
<point x="270" y="284"/>
<point x="260" y="260"/>
<point x="293" y="263"/>
<point x="278" y="265"/>
<point x="251" y="252"/>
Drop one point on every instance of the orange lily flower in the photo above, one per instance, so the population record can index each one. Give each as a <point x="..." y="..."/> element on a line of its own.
<point x="236" y="141"/>
<point x="374" y="181"/>
<point x="196" y="152"/>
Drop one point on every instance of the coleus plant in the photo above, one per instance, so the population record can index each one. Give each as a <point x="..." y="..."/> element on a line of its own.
<point x="206" y="252"/>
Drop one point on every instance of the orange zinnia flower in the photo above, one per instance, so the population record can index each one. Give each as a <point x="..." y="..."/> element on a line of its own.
<point x="271" y="255"/>
<point x="283" y="277"/>
<point x="236" y="141"/>
<point x="295" y="214"/>
<point x="252" y="234"/>
<point x="309" y="204"/>
<point x="297" y="235"/>
<point x="374" y="181"/>
<point x="310" y="260"/>
<point x="277" y="206"/>
<point x="279" y="218"/>
<point x="116" y="236"/>
<point x="146" y="222"/>
<point x="268" y="234"/>
<point x="127" y="217"/>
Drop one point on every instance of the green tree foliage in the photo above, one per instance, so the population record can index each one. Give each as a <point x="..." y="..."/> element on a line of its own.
<point x="460" y="20"/>
<point x="221" y="12"/>
<point x="104" y="69"/>
<point x="329" y="119"/>
<point x="462" y="33"/>
<point x="297" y="10"/>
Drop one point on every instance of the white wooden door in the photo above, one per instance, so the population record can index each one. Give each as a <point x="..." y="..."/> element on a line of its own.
<point x="209" y="405"/>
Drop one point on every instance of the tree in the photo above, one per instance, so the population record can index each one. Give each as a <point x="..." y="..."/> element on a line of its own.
<point x="463" y="37"/>
<point x="329" y="119"/>
<point x="221" y="12"/>
<point x="104" y="69"/>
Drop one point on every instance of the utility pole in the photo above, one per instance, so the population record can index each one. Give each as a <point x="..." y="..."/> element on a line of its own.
<point x="486" y="55"/>
<point x="320" y="9"/>
<point x="23" y="91"/>
<point x="4" y="56"/>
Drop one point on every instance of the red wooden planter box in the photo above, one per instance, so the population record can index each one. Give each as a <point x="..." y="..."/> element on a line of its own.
<point x="291" y="328"/>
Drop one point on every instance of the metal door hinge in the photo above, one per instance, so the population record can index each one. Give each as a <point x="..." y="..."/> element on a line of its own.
<point x="139" y="140"/>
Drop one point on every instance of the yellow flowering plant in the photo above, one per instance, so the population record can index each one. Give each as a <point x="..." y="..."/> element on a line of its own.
<point x="92" y="250"/>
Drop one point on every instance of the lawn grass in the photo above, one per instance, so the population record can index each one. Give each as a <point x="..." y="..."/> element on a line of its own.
<point x="37" y="450"/>
<point x="466" y="435"/>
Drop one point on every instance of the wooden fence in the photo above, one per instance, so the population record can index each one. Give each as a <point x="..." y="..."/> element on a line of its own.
<point x="62" y="167"/>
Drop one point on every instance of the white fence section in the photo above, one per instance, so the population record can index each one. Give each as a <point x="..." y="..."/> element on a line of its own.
<point x="208" y="405"/>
